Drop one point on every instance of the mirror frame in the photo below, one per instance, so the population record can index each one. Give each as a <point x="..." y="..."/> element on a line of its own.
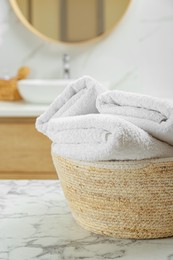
<point x="25" y="22"/>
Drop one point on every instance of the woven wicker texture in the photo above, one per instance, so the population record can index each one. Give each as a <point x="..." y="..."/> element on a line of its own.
<point x="120" y="199"/>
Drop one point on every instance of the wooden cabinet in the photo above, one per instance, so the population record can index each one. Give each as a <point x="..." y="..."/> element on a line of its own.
<point x="24" y="152"/>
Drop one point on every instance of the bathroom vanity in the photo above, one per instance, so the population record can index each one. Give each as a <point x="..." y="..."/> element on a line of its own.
<point x="25" y="153"/>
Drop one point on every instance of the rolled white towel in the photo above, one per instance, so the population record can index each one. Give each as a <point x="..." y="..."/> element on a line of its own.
<point x="152" y="114"/>
<point x="97" y="137"/>
<point x="78" y="98"/>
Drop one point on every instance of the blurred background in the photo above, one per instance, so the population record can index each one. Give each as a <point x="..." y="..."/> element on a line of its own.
<point x="136" y="54"/>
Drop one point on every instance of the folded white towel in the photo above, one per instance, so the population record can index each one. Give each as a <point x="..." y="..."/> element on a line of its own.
<point x="153" y="115"/>
<point x="78" y="98"/>
<point x="98" y="137"/>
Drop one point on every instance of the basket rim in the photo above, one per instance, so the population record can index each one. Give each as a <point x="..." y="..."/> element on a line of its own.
<point x="116" y="164"/>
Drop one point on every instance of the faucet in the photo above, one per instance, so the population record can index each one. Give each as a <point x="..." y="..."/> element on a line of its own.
<point x="66" y="66"/>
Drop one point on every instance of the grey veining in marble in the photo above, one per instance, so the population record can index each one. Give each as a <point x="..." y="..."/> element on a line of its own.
<point x="35" y="223"/>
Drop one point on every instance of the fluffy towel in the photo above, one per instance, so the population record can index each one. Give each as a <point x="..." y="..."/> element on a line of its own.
<point x="153" y="115"/>
<point x="97" y="137"/>
<point x="78" y="98"/>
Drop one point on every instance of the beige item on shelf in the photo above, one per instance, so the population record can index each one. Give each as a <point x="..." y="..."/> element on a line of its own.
<point x="132" y="199"/>
<point x="8" y="87"/>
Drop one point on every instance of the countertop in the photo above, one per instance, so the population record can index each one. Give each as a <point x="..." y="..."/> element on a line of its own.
<point x="35" y="223"/>
<point x="21" y="109"/>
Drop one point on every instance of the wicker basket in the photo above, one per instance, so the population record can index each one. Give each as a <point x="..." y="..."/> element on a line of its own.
<point x="9" y="87"/>
<point x="129" y="199"/>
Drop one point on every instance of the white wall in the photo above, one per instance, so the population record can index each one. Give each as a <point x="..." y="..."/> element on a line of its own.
<point x="137" y="56"/>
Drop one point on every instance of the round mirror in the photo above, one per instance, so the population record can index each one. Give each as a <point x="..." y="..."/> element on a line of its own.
<point x="70" y="21"/>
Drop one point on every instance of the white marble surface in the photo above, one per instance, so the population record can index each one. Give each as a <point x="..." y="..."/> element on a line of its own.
<point x="21" y="109"/>
<point x="137" y="56"/>
<point x="35" y="223"/>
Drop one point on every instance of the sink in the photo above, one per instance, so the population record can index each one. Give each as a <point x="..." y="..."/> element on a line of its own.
<point x="41" y="91"/>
